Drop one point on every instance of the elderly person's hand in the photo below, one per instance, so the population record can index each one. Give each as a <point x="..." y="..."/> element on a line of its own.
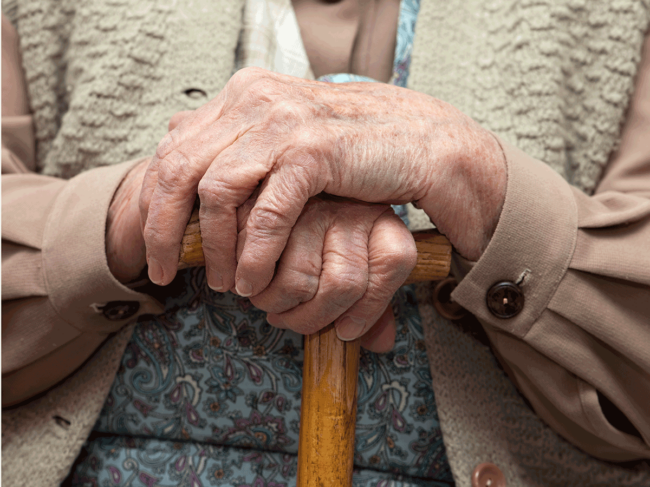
<point x="372" y="142"/>
<point x="125" y="249"/>
<point x="342" y="263"/>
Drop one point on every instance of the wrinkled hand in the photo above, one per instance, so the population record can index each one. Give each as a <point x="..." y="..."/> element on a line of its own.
<point x="343" y="262"/>
<point x="372" y="142"/>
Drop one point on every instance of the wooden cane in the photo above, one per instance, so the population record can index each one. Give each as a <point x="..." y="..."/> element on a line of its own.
<point x="328" y="411"/>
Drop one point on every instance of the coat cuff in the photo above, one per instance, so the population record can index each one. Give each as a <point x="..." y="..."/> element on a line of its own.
<point x="532" y="245"/>
<point x="81" y="288"/>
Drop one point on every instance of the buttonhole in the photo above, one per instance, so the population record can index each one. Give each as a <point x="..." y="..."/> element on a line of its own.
<point x="195" y="93"/>
<point x="98" y="307"/>
<point x="64" y="423"/>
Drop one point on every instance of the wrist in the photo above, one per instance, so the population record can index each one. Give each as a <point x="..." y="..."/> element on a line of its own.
<point x="125" y="249"/>
<point x="466" y="202"/>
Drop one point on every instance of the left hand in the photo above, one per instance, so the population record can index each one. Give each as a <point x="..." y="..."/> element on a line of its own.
<point x="125" y="248"/>
<point x="371" y="142"/>
<point x="343" y="262"/>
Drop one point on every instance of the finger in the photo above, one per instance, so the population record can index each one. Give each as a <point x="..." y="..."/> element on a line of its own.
<point x="177" y="118"/>
<point x="392" y="256"/>
<point x="196" y="129"/>
<point x="180" y="162"/>
<point x="294" y="179"/>
<point x="298" y="271"/>
<point x="190" y="126"/>
<point x="381" y="336"/>
<point x="343" y="280"/>
<point x="227" y="184"/>
<point x="178" y="178"/>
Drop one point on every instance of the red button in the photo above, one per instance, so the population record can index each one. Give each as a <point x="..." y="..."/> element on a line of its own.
<point x="488" y="475"/>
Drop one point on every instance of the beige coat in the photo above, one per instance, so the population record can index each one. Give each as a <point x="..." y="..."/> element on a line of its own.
<point x="555" y="82"/>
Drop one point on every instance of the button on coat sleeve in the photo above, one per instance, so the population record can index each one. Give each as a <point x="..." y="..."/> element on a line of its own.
<point x="579" y="349"/>
<point x="56" y="282"/>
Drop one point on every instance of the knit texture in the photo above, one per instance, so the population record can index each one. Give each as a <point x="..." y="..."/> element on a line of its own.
<point x="104" y="78"/>
<point x="484" y="419"/>
<point x="552" y="77"/>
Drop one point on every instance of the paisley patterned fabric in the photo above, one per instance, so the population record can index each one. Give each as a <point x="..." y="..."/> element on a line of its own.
<point x="208" y="393"/>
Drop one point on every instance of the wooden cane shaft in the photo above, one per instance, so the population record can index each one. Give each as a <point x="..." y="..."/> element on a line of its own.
<point x="434" y="252"/>
<point x="328" y="412"/>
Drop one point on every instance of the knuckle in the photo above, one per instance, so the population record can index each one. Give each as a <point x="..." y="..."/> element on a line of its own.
<point x="284" y="110"/>
<point x="211" y="193"/>
<point x="247" y="75"/>
<point x="240" y="78"/>
<point x="267" y="218"/>
<point x="165" y="146"/>
<point x="397" y="255"/>
<point x="300" y="287"/>
<point x="257" y="87"/>
<point x="288" y="292"/>
<point x="304" y="137"/>
<point x="262" y="83"/>
<point x="409" y="254"/>
<point x="175" y="171"/>
<point x="176" y="119"/>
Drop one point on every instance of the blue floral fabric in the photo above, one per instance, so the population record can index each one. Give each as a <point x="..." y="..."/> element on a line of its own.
<point x="208" y="393"/>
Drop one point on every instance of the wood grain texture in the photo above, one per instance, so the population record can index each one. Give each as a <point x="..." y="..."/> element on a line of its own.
<point x="191" y="245"/>
<point x="328" y="412"/>
<point x="434" y="252"/>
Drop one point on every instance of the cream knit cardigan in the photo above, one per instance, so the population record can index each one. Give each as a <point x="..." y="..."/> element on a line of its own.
<point x="553" y="77"/>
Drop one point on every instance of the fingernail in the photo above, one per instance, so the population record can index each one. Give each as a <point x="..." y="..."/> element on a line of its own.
<point x="244" y="288"/>
<point x="155" y="271"/>
<point x="215" y="281"/>
<point x="350" y="328"/>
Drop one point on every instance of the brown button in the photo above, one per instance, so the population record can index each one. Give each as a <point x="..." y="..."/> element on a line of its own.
<point x="488" y="475"/>
<point x="442" y="300"/>
<point x="505" y="299"/>
<point x="120" y="310"/>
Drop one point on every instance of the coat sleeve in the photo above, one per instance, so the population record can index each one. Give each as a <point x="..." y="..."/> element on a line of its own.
<point x="59" y="298"/>
<point x="579" y="350"/>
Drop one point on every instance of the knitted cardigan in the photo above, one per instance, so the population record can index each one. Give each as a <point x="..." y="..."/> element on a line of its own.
<point x="552" y="77"/>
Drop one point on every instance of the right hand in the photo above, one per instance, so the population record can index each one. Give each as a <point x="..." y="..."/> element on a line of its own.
<point x="343" y="262"/>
